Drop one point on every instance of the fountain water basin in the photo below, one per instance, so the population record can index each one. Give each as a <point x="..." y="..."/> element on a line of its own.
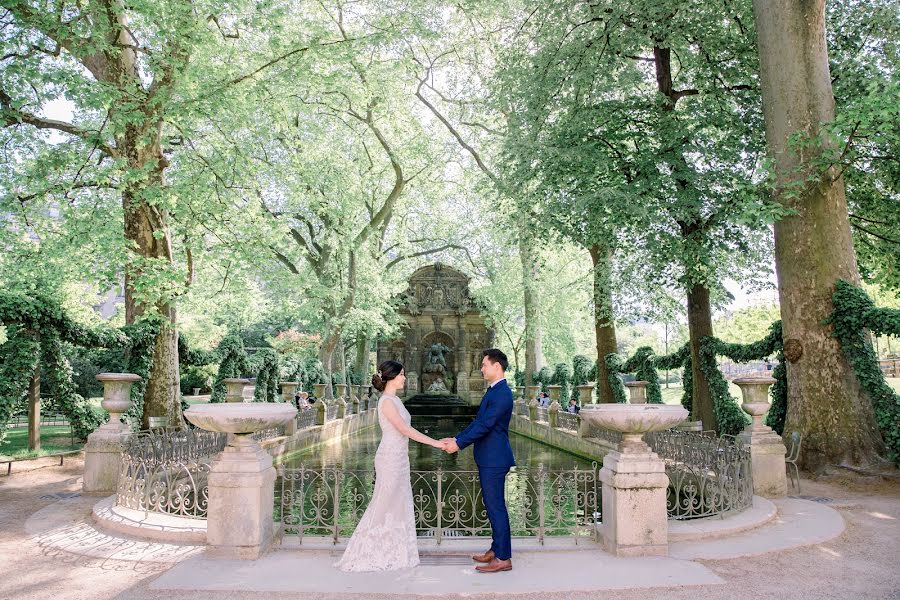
<point x="239" y="418"/>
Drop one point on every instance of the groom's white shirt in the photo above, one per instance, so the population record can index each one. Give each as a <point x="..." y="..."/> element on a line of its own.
<point x="496" y="382"/>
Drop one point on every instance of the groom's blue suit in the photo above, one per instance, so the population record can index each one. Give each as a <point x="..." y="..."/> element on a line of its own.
<point x="493" y="455"/>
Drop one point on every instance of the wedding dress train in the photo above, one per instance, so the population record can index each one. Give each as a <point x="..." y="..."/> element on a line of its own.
<point x="385" y="538"/>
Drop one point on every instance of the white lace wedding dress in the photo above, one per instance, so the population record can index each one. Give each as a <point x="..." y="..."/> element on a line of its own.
<point x="385" y="538"/>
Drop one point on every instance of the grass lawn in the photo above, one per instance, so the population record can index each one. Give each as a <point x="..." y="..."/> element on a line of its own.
<point x="53" y="439"/>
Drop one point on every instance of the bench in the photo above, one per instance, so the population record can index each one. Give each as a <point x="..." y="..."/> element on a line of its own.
<point x="9" y="461"/>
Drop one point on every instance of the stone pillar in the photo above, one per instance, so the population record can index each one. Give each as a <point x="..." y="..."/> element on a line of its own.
<point x="462" y="383"/>
<point x="637" y="390"/>
<point x="553" y="414"/>
<point x="241" y="501"/>
<point x="635" y="522"/>
<point x="532" y="410"/>
<point x="234" y="389"/>
<point x="412" y="384"/>
<point x="767" y="450"/>
<point x="321" y="411"/>
<point x="103" y="451"/>
<point x="288" y="389"/>
<point x="354" y="398"/>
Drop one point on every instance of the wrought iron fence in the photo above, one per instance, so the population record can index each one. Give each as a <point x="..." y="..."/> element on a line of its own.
<point x="593" y="431"/>
<point x="569" y="421"/>
<point x="707" y="476"/>
<point x="268" y="434"/>
<point x="306" y="418"/>
<point x="167" y="472"/>
<point x="330" y="501"/>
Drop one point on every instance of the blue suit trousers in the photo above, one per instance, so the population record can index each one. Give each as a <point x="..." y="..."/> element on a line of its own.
<point x="493" y="488"/>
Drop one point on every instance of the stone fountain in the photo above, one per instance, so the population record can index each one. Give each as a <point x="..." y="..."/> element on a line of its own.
<point x="635" y="521"/>
<point x="241" y="478"/>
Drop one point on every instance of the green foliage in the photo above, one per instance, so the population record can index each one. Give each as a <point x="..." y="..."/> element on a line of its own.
<point x="83" y="417"/>
<point x="855" y="314"/>
<point x="196" y="377"/>
<point x="233" y="364"/>
<point x="267" y="377"/>
<point x="543" y="377"/>
<point x="18" y="357"/>
<point x="562" y="376"/>
<point x="581" y="372"/>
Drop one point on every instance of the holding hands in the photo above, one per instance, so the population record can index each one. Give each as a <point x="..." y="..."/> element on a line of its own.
<point x="448" y="445"/>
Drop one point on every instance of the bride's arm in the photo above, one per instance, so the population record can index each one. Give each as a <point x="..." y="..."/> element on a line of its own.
<point x="390" y="411"/>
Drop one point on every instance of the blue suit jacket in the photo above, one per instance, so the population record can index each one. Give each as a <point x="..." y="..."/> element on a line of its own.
<point x="490" y="429"/>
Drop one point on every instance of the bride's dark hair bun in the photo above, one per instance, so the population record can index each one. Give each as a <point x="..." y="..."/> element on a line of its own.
<point x="387" y="370"/>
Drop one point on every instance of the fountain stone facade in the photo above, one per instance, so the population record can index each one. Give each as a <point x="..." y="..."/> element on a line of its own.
<point x="442" y="338"/>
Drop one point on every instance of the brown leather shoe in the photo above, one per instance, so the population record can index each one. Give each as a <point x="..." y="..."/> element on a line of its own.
<point x="495" y="566"/>
<point x="484" y="558"/>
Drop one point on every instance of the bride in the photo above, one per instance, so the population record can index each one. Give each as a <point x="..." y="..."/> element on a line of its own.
<point x="385" y="538"/>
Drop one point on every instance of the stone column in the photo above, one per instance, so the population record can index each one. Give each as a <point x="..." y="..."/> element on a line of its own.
<point x="532" y="410"/>
<point x="637" y="390"/>
<point x="555" y="407"/>
<point x="412" y="384"/>
<point x="635" y="522"/>
<point x="241" y="501"/>
<point x="234" y="389"/>
<point x="288" y="389"/>
<point x="354" y="398"/>
<point x="103" y="451"/>
<point x="553" y="414"/>
<point x="767" y="450"/>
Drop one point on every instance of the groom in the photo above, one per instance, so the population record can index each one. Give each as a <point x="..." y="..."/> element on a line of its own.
<point x="489" y="432"/>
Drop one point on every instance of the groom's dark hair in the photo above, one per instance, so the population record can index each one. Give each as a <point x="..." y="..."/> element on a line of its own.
<point x="496" y="356"/>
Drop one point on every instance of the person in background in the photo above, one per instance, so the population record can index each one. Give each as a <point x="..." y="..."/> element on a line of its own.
<point x="573" y="407"/>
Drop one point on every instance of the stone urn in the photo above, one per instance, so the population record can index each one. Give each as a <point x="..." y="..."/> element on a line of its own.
<point x="341" y="391"/>
<point x="241" y="478"/>
<point x="635" y="520"/>
<point x="531" y="392"/>
<point x="554" y="390"/>
<point x="234" y="389"/>
<point x="637" y="391"/>
<point x="288" y="390"/>
<point x="767" y="449"/>
<point x="116" y="398"/>
<point x="319" y="389"/>
<point x="584" y="394"/>
<point x="103" y="451"/>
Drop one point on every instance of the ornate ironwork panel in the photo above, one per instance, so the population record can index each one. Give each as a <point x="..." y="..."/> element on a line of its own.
<point x="331" y="501"/>
<point x="305" y="418"/>
<point x="568" y="421"/>
<point x="167" y="472"/>
<point x="707" y="476"/>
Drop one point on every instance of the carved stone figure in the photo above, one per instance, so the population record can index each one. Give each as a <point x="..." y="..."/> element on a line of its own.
<point x="436" y="361"/>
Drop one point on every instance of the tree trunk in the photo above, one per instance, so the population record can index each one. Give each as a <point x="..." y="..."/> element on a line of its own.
<point x="813" y="248"/>
<point x="326" y="356"/>
<point x="147" y="232"/>
<point x="532" y="300"/>
<point x="34" y="409"/>
<point x="699" y="313"/>
<point x="362" y="358"/>
<point x="604" y="327"/>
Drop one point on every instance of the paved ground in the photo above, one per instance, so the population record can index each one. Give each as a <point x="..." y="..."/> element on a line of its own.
<point x="46" y="552"/>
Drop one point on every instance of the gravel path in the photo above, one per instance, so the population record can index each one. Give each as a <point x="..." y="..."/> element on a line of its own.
<point x="861" y="563"/>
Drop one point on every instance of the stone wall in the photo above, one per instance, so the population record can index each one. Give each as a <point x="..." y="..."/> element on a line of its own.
<point x="281" y="448"/>
<point x="570" y="441"/>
